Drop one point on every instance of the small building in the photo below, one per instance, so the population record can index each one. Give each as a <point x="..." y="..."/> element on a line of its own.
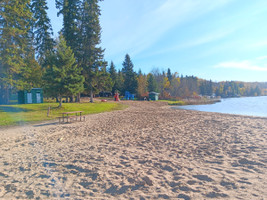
<point x="128" y="96"/>
<point x="154" y="96"/>
<point x="34" y="96"/>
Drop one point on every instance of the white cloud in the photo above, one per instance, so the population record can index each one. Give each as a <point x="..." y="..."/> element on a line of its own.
<point x="262" y="58"/>
<point x="133" y="33"/>
<point x="201" y="40"/>
<point x="243" y="65"/>
<point x="260" y="44"/>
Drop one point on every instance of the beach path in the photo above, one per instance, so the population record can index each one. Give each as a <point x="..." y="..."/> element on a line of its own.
<point x="147" y="151"/>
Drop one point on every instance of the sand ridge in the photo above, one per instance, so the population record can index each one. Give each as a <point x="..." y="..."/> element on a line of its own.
<point x="147" y="151"/>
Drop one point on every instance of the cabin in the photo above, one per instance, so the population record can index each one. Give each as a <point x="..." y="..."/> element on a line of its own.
<point x="30" y="97"/>
<point x="153" y="96"/>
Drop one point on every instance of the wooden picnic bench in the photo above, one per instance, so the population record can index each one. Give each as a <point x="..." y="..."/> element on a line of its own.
<point x="69" y="116"/>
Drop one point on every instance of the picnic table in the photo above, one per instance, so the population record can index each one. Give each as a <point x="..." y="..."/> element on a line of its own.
<point x="74" y="115"/>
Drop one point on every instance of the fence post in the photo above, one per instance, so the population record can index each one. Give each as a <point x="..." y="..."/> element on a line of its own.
<point x="48" y="111"/>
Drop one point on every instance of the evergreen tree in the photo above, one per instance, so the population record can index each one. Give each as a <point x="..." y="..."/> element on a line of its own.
<point x="120" y="82"/>
<point x="169" y="74"/>
<point x="42" y="30"/>
<point x="151" y="83"/>
<point x="92" y="58"/>
<point x="15" y="21"/>
<point x="130" y="78"/>
<point x="71" y="12"/>
<point x="104" y="81"/>
<point x="113" y="76"/>
<point x="32" y="73"/>
<point x="63" y="76"/>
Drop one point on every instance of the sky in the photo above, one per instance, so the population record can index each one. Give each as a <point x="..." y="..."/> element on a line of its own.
<point x="221" y="40"/>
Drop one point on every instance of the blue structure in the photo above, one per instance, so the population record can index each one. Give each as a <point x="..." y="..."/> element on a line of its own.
<point x="128" y="96"/>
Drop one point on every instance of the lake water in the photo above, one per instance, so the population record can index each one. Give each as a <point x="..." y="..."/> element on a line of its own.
<point x="253" y="106"/>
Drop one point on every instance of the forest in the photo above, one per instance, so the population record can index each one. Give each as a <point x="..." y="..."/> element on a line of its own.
<point x="73" y="64"/>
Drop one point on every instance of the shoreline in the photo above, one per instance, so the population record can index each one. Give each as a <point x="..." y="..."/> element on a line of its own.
<point x="219" y="113"/>
<point x="147" y="151"/>
<point x="255" y="107"/>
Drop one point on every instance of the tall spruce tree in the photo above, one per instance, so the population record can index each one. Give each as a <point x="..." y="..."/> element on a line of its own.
<point x="15" y="21"/>
<point x="63" y="76"/>
<point x="42" y="30"/>
<point x="92" y="56"/>
<point x="169" y="74"/>
<point x="71" y="12"/>
<point x="113" y="76"/>
<point x="130" y="77"/>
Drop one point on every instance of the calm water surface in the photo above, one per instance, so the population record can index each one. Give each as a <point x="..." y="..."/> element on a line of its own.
<point x="253" y="106"/>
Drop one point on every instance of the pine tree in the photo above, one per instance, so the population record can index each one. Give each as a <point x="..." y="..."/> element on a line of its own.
<point x="113" y="76"/>
<point x="63" y="76"/>
<point x="130" y="77"/>
<point x="151" y="83"/>
<point x="71" y="12"/>
<point x="32" y="73"/>
<point x="169" y="74"/>
<point x="92" y="56"/>
<point x="15" y="21"/>
<point x="104" y="81"/>
<point x="42" y="30"/>
<point x="120" y="82"/>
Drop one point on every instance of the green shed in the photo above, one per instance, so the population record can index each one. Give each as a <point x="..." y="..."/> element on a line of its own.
<point x="154" y="96"/>
<point x="34" y="96"/>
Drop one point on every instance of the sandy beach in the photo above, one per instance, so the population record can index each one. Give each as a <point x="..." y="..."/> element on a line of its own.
<point x="147" y="151"/>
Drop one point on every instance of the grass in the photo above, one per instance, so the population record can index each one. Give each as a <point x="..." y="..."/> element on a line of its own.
<point x="174" y="103"/>
<point x="26" y="113"/>
<point x="191" y="102"/>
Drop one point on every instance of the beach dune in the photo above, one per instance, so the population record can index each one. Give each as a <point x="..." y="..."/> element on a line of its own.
<point x="147" y="151"/>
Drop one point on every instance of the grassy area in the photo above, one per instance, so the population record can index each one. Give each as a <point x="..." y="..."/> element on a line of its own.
<point x="23" y="113"/>
<point x="174" y="103"/>
<point x="191" y="102"/>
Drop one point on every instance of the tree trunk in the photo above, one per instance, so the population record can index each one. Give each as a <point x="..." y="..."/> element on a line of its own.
<point x="78" y="98"/>
<point x="60" y="102"/>
<point x="6" y="96"/>
<point x="72" y="99"/>
<point x="91" y="96"/>
<point x="1" y="95"/>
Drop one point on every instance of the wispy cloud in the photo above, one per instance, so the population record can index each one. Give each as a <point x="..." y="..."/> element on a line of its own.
<point x="243" y="65"/>
<point x="259" y="44"/>
<point x="262" y="58"/>
<point x="134" y="33"/>
<point x="200" y="40"/>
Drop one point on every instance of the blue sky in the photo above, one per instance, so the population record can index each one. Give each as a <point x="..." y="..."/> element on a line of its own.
<point x="218" y="40"/>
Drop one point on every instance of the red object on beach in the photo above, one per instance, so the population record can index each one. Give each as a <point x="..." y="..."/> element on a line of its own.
<point x="116" y="97"/>
<point x="104" y="100"/>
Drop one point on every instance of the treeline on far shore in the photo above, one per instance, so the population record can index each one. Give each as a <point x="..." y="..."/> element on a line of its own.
<point x="170" y="85"/>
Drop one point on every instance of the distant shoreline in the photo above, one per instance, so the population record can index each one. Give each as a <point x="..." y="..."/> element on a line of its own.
<point x="245" y="106"/>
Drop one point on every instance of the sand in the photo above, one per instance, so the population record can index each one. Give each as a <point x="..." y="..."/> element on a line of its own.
<point x="147" y="151"/>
